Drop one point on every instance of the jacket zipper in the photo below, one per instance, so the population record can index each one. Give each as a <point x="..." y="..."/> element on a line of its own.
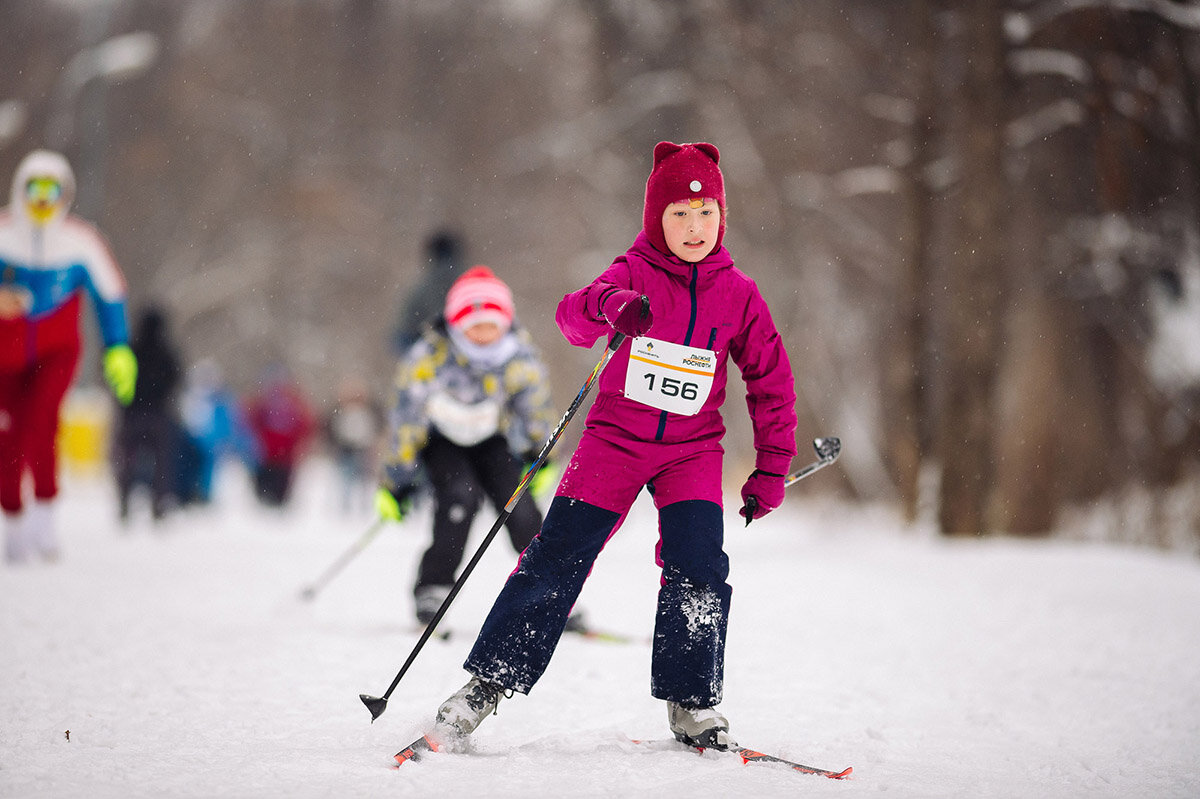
<point x="687" y="338"/>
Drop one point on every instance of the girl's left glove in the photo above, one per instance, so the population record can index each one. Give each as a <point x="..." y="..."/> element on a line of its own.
<point x="394" y="505"/>
<point x="762" y="493"/>
<point x="120" y="370"/>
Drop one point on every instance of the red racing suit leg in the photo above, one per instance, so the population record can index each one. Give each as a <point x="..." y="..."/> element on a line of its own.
<point x="30" y="399"/>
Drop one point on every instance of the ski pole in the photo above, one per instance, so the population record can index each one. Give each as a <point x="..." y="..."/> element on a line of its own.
<point x="310" y="591"/>
<point x="378" y="704"/>
<point x="827" y="449"/>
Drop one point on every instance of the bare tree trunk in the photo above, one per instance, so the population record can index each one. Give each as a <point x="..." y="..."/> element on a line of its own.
<point x="907" y="379"/>
<point x="974" y="319"/>
<point x="1025" y="499"/>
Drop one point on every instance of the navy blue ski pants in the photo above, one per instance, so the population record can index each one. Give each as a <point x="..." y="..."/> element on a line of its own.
<point x="524" y="626"/>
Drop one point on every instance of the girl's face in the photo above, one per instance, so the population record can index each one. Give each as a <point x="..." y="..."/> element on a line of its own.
<point x="691" y="228"/>
<point x="483" y="334"/>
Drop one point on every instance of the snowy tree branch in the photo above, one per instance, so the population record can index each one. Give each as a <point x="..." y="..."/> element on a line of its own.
<point x="1021" y="25"/>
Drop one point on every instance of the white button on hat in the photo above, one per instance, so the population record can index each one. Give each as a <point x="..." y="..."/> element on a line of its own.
<point x="695" y="185"/>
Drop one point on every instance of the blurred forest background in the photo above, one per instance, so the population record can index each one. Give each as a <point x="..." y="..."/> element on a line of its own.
<point x="974" y="221"/>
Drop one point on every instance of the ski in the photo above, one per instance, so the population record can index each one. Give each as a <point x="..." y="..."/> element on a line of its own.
<point x="578" y="625"/>
<point x="419" y="747"/>
<point x="415" y="749"/>
<point x="754" y="756"/>
<point x="751" y="756"/>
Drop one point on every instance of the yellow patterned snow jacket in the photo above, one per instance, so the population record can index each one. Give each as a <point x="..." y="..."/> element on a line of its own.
<point x="467" y="395"/>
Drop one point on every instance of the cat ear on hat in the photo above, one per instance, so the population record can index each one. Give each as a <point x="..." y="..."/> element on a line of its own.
<point x="710" y="150"/>
<point x="664" y="149"/>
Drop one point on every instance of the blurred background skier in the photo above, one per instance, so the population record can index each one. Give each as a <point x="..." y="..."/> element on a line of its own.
<point x="282" y="423"/>
<point x="442" y="266"/>
<point x="353" y="429"/>
<point x="49" y="259"/>
<point x="148" y="436"/>
<point x="472" y="406"/>
<point x="213" y="428"/>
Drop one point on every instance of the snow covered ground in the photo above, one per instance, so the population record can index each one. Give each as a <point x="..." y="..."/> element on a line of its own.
<point x="184" y="664"/>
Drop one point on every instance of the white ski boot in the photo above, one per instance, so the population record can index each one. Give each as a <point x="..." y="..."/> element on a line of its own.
<point x="463" y="711"/>
<point x="18" y="545"/>
<point x="703" y="727"/>
<point x="40" y="529"/>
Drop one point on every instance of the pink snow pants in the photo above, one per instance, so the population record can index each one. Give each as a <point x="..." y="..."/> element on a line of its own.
<point x="608" y="472"/>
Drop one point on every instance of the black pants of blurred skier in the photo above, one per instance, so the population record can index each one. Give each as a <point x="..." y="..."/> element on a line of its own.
<point x="145" y="453"/>
<point x="461" y="478"/>
<point x="273" y="483"/>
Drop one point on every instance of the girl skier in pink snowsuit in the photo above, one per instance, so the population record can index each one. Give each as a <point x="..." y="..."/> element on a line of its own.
<point x="655" y="423"/>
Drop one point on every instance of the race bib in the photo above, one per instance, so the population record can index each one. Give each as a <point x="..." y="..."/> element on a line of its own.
<point x="670" y="377"/>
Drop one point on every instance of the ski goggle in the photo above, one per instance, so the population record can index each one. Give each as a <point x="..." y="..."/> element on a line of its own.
<point x="42" y="197"/>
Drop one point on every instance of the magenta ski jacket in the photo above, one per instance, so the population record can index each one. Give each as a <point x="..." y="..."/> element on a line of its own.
<point x="711" y="305"/>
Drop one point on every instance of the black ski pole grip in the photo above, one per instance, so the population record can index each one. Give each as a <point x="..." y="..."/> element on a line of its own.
<point x="750" y="508"/>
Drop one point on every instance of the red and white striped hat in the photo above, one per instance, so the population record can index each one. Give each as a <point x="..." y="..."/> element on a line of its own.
<point x="479" y="296"/>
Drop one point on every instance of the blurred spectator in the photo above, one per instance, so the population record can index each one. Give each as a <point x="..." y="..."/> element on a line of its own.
<point x="213" y="428"/>
<point x="148" y="431"/>
<point x="443" y="265"/>
<point x="281" y="420"/>
<point x="49" y="259"/>
<point x="353" y="429"/>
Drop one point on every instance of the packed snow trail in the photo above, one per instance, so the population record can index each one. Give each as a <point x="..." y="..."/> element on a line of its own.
<point x="184" y="664"/>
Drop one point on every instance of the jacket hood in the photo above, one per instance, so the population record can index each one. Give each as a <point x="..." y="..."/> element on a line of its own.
<point x="42" y="164"/>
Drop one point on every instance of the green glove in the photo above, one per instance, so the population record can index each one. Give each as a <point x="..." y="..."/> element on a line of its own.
<point x="392" y="507"/>
<point x="120" y="370"/>
<point x="545" y="482"/>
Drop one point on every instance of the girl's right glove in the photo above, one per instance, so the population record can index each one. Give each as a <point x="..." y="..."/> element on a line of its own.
<point x="762" y="493"/>
<point x="627" y="312"/>
<point x="545" y="482"/>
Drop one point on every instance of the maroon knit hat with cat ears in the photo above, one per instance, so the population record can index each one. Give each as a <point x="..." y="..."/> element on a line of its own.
<point x="681" y="172"/>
